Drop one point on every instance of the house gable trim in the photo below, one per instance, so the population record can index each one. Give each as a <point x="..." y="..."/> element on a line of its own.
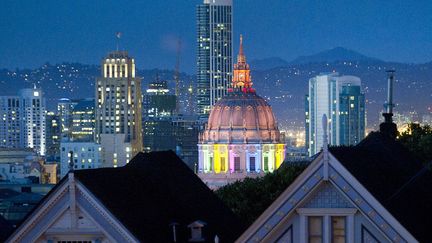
<point x="367" y="204"/>
<point x="307" y="182"/>
<point x="287" y="206"/>
<point x="103" y="217"/>
<point x="54" y="206"/>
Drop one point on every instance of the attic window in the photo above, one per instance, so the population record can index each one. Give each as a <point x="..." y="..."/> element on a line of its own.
<point x="196" y="231"/>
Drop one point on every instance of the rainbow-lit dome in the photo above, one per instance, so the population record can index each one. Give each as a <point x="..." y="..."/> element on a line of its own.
<point x="241" y="117"/>
<point x="241" y="138"/>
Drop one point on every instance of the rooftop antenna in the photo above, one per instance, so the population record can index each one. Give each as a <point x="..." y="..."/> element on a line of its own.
<point x="118" y="36"/>
<point x="388" y="127"/>
<point x="389" y="104"/>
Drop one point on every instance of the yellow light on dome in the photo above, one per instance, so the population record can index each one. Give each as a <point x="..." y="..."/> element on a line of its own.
<point x="220" y="152"/>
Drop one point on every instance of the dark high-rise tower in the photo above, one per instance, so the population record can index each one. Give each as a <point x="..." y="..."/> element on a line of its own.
<point x="214" y="52"/>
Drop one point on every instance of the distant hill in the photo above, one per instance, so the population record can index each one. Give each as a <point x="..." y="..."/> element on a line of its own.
<point x="334" y="55"/>
<point x="283" y="84"/>
<point x="268" y="63"/>
<point x="74" y="80"/>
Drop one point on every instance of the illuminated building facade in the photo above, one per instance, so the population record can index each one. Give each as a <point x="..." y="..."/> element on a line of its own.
<point x="53" y="137"/>
<point x="214" y="52"/>
<point x="241" y="138"/>
<point x="157" y="102"/>
<point x="23" y="121"/>
<point x="83" y="120"/>
<point x="118" y="109"/>
<point x="34" y="117"/>
<point x="343" y="102"/>
<point x="64" y="110"/>
<point x="85" y="155"/>
<point x="10" y="122"/>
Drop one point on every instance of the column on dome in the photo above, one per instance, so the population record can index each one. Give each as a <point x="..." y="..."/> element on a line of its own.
<point x="279" y="154"/>
<point x="201" y="158"/>
<point x="258" y="160"/>
<point x="220" y="158"/>
<point x="247" y="156"/>
<point x="231" y="158"/>
<point x="271" y="154"/>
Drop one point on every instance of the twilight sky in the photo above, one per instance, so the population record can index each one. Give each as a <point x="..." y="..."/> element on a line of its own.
<point x="34" y="32"/>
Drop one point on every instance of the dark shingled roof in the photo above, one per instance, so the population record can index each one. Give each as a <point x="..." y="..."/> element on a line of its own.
<point x="156" y="189"/>
<point x="395" y="177"/>
<point x="5" y="229"/>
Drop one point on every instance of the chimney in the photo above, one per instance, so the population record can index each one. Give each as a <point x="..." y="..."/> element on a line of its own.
<point x="197" y="231"/>
<point x="389" y="128"/>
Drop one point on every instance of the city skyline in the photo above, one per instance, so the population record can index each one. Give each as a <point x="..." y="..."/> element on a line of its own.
<point x="303" y="28"/>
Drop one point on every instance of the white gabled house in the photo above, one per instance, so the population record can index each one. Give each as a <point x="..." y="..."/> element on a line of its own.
<point x="373" y="192"/>
<point x="70" y="213"/>
<point x="154" y="198"/>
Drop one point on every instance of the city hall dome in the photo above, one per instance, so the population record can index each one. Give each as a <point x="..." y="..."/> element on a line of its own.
<point x="242" y="116"/>
<point x="241" y="138"/>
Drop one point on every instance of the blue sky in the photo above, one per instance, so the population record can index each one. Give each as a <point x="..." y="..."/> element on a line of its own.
<point x="35" y="32"/>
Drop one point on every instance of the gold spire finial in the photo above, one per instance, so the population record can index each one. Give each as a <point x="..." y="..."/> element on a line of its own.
<point x="241" y="78"/>
<point x="241" y="57"/>
<point x="241" y="45"/>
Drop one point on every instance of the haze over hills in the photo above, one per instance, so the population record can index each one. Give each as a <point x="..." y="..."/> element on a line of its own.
<point x="334" y="55"/>
<point x="283" y="83"/>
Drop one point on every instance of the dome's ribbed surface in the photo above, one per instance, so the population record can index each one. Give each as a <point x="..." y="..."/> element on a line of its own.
<point x="241" y="117"/>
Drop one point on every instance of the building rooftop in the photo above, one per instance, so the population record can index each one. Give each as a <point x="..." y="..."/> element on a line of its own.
<point x="395" y="177"/>
<point x="155" y="190"/>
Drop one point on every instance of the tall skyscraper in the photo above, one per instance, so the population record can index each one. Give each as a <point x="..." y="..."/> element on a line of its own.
<point x="214" y="52"/>
<point x="118" y="109"/>
<point x="11" y="135"/>
<point x="23" y="121"/>
<point x="34" y="115"/>
<point x="343" y="102"/>
<point x="53" y="137"/>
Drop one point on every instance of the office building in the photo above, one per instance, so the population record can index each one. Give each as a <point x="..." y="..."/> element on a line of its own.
<point x="118" y="109"/>
<point x="53" y="137"/>
<point x="83" y="120"/>
<point x="214" y="52"/>
<point x="157" y="102"/>
<point x="341" y="99"/>
<point x="64" y="110"/>
<point x="33" y="125"/>
<point x="22" y="120"/>
<point x="83" y="155"/>
<point x="10" y="122"/>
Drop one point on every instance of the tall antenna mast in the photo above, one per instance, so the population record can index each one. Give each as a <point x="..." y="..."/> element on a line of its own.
<point x="177" y="76"/>
<point x="118" y="36"/>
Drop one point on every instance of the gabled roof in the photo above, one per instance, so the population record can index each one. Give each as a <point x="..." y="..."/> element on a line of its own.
<point x="376" y="176"/>
<point x="155" y="190"/>
<point x="395" y="177"/>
